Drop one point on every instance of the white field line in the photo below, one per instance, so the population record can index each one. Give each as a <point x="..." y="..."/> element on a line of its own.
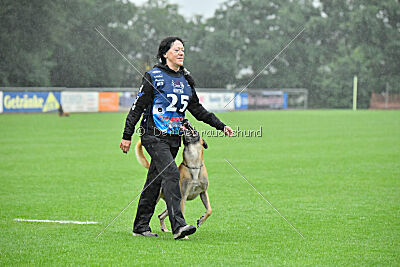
<point x="53" y="221"/>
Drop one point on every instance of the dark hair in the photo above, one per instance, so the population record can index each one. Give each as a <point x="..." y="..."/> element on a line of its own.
<point x="165" y="45"/>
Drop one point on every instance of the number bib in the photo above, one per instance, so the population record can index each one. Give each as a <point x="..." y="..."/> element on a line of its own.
<point x="170" y="100"/>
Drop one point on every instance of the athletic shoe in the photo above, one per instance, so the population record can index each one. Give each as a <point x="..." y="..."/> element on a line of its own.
<point x="185" y="231"/>
<point x="147" y="233"/>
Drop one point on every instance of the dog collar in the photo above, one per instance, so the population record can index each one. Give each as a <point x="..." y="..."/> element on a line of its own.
<point x="195" y="168"/>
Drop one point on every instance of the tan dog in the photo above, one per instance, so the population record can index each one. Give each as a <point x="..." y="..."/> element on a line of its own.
<point x="193" y="173"/>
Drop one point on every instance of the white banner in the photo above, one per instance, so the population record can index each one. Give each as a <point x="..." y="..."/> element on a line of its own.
<point x="217" y="101"/>
<point x="1" y="102"/>
<point x="80" y="101"/>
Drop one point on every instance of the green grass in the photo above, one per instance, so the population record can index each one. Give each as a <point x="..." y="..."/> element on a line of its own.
<point x="334" y="174"/>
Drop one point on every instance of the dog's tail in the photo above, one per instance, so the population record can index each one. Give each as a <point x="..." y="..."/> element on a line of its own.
<point x="140" y="155"/>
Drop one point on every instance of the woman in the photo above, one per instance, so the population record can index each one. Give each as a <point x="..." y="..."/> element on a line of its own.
<point x="167" y="91"/>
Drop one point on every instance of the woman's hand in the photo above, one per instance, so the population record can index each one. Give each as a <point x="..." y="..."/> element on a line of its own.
<point x="228" y="131"/>
<point x="125" y="145"/>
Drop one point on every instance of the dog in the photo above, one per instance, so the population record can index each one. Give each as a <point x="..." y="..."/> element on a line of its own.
<point x="61" y="112"/>
<point x="193" y="173"/>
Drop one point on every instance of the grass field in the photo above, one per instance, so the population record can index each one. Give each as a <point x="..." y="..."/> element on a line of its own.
<point x="334" y="174"/>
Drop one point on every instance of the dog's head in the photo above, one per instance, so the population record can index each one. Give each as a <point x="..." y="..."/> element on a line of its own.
<point x="190" y="135"/>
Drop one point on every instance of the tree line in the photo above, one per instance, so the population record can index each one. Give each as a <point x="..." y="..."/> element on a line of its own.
<point x="57" y="43"/>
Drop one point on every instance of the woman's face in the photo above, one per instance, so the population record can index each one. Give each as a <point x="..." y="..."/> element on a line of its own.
<point x="176" y="54"/>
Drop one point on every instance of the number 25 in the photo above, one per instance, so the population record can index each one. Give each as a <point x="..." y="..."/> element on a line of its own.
<point x="184" y="102"/>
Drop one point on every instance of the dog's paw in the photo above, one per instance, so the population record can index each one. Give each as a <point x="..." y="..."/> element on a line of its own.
<point x="199" y="222"/>
<point x="164" y="227"/>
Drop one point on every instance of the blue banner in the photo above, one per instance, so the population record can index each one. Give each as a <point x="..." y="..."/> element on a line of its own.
<point x="285" y="101"/>
<point x="241" y="101"/>
<point x="126" y="100"/>
<point x="31" y="101"/>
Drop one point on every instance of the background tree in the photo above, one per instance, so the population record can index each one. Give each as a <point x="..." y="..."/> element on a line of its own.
<point x="54" y="43"/>
<point x="28" y="33"/>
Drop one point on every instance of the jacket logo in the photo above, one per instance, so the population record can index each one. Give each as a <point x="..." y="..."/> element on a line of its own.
<point x="165" y="118"/>
<point x="177" y="87"/>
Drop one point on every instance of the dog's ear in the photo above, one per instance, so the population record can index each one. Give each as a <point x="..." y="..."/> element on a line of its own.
<point x="204" y="144"/>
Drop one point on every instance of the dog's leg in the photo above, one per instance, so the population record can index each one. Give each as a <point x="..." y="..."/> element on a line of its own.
<point x="206" y="202"/>
<point x="183" y="204"/>
<point x="162" y="217"/>
<point x="185" y="192"/>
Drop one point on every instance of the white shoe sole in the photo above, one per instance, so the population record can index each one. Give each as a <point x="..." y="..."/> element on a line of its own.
<point x="185" y="232"/>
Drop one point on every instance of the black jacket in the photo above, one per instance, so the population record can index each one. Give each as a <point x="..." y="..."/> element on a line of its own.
<point x="145" y="101"/>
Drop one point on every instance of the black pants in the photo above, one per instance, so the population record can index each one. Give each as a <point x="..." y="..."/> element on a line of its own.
<point x="164" y="173"/>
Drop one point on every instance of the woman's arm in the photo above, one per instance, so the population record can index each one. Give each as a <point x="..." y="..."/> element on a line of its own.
<point x="201" y="114"/>
<point x="144" y="99"/>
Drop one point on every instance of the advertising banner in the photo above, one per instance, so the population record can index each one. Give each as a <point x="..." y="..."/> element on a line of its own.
<point x="217" y="101"/>
<point x="126" y="100"/>
<point x="266" y="100"/>
<point x="285" y="101"/>
<point x="241" y="101"/>
<point x="31" y="101"/>
<point x="1" y="102"/>
<point x="384" y="101"/>
<point x="202" y="98"/>
<point x="108" y="101"/>
<point x="80" y="101"/>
